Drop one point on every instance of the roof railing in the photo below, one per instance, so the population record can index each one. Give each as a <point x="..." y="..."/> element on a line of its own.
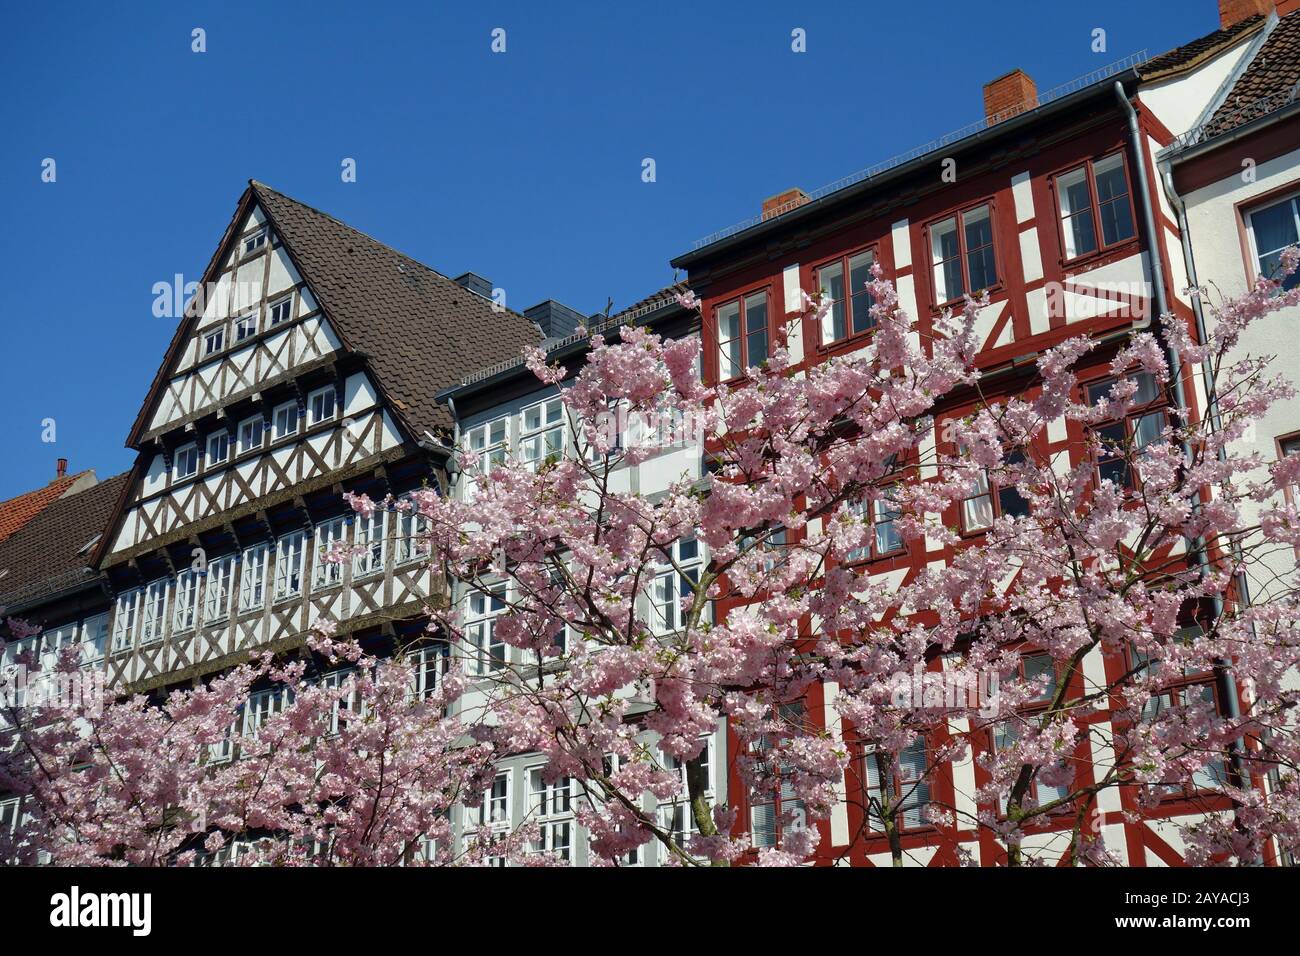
<point x="594" y="327"/>
<point x="1238" y="116"/>
<point x="970" y="129"/>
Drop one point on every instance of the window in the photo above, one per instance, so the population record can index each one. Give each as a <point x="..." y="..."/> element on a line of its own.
<point x="550" y="807"/>
<point x="348" y="702"/>
<point x="677" y="816"/>
<point x="1095" y="192"/>
<point x="187" y="601"/>
<point x="488" y="444"/>
<point x="370" y="538"/>
<point x="670" y="585"/>
<point x="320" y="405"/>
<point x="771" y="813"/>
<point x="284" y="421"/>
<point x="412" y="536"/>
<point x="325" y="573"/>
<point x="883" y="515"/>
<point x="264" y="705"/>
<point x="288" y="565"/>
<point x="1289" y="446"/>
<point x="1211" y="775"/>
<point x="255" y="241"/>
<point x="213" y="341"/>
<point x="153" y="612"/>
<point x="903" y="786"/>
<point x="1005" y="736"/>
<point x="10" y="814"/>
<point x="252" y="580"/>
<point x="850" y="312"/>
<point x="125" y="618"/>
<point x="250" y="434"/>
<point x="281" y="310"/>
<point x="246" y="327"/>
<point x="486" y="650"/>
<point x="1039" y="671"/>
<point x="742" y="335"/>
<point x="1272" y="228"/>
<point x="186" y="462"/>
<point x="217" y="591"/>
<point x="1123" y="438"/>
<point x="218" y="448"/>
<point x="541" y="436"/>
<point x="428" y="663"/>
<point x="94" y="638"/>
<point x="961" y="251"/>
<point x="989" y="501"/>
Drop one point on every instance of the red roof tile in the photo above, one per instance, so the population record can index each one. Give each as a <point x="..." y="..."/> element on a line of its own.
<point x="16" y="512"/>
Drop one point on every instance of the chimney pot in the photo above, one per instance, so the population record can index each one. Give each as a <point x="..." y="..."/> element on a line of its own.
<point x="61" y="468"/>
<point x="783" y="202"/>
<point x="1234" y="11"/>
<point x="1009" y="95"/>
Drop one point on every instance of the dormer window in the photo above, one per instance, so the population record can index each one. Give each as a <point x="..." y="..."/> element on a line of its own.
<point x="246" y="327"/>
<point x="218" y="448"/>
<point x="254" y="242"/>
<point x="284" y="422"/>
<point x="213" y="341"/>
<point x="187" y="461"/>
<point x="320" y="405"/>
<point x="282" y="310"/>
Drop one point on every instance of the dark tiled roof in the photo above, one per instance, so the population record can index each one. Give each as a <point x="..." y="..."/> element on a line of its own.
<point x="1190" y="54"/>
<point x="422" y="331"/>
<point x="17" y="511"/>
<point x="49" y="555"/>
<point x="1269" y="79"/>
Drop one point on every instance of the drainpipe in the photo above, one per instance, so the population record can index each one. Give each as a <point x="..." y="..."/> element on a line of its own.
<point x="1226" y="684"/>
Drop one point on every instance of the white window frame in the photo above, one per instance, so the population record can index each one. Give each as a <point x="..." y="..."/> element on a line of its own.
<point x="214" y="340"/>
<point x="1293" y="200"/>
<point x="153" y="612"/>
<point x="275" y="307"/>
<point x="187" y="454"/>
<point x="412" y="531"/>
<point x="495" y="812"/>
<point x="550" y="808"/>
<point x="252" y="423"/>
<point x="289" y="547"/>
<point x="253" y="241"/>
<point x="544" y="440"/>
<point x="261" y="706"/>
<point x="480" y="629"/>
<point x="95" y="636"/>
<point x="676" y="815"/>
<point x="252" y="577"/>
<point x="915" y="793"/>
<point x="186" y="614"/>
<point x="217" y="442"/>
<point x="281" y="416"/>
<point x="488" y="450"/>
<point x="428" y="664"/>
<point x="126" y="619"/>
<point x="324" y="535"/>
<point x="242" y="329"/>
<point x="664" y="613"/>
<point x="372" y="535"/>
<point x="217" y="590"/>
<point x="319" y="397"/>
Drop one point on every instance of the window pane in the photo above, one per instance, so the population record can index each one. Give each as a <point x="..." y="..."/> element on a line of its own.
<point x="756" y="328"/>
<point x="946" y="252"/>
<point x="978" y="224"/>
<point x="1109" y="175"/>
<point x="831" y="281"/>
<point x="1147" y="429"/>
<point x="729" y="365"/>
<point x="860" y="299"/>
<point x="1076" y="209"/>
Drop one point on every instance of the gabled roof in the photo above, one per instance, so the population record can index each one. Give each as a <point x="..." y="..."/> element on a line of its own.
<point x="1196" y="52"/>
<point x="18" y="511"/>
<point x="1274" y="72"/>
<point x="419" y="330"/>
<point x="52" y="554"/>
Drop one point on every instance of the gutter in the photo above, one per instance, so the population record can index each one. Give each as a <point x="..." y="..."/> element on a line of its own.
<point x="1224" y="680"/>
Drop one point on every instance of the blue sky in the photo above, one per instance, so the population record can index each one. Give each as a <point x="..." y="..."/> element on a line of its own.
<point x="523" y="166"/>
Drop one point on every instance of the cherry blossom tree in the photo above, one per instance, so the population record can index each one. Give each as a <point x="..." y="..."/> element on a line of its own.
<point x="1099" y="617"/>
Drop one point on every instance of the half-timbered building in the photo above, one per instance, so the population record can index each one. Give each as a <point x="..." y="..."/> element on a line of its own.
<point x="304" y="368"/>
<point x="1051" y="205"/>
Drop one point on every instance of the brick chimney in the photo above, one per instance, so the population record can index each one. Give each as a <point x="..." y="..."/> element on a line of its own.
<point x="1008" y="95"/>
<point x="783" y="202"/>
<point x="61" y="468"/>
<point x="1234" y="11"/>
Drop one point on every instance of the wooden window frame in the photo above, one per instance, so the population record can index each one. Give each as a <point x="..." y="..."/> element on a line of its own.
<point x="959" y="213"/>
<point x="1094" y="207"/>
